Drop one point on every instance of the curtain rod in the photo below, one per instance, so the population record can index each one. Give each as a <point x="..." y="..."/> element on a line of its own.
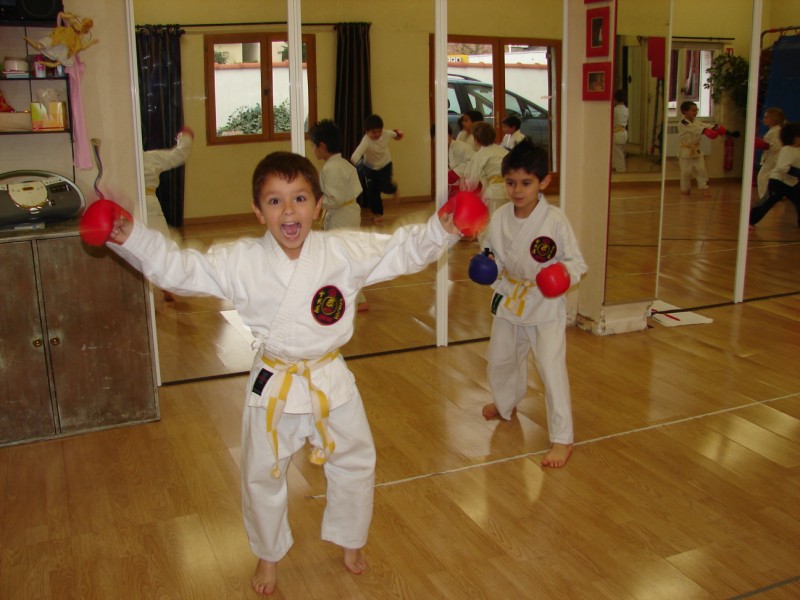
<point x="257" y="23"/>
<point x="705" y="39"/>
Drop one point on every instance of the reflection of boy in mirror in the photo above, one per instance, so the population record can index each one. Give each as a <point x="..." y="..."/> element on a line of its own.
<point x="511" y="133"/>
<point x="771" y="145"/>
<point x="620" y="132"/>
<point x="458" y="156"/>
<point x="784" y="180"/>
<point x="467" y="120"/>
<point x="690" y="159"/>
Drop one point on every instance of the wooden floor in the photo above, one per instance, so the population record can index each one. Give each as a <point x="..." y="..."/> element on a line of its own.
<point x="685" y="482"/>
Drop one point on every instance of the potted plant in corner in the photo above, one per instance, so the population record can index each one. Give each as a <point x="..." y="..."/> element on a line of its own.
<point x="727" y="76"/>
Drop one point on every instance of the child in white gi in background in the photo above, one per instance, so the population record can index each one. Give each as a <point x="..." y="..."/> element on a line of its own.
<point x="484" y="169"/>
<point x="295" y="289"/>
<point x="524" y="236"/>
<point x="340" y="185"/>
<point x="511" y="133"/>
<point x="771" y="145"/>
<point x="690" y="159"/>
<point x="155" y="163"/>
<point x="458" y="156"/>
<point x="467" y="121"/>
<point x="620" y="132"/>
<point x="376" y="166"/>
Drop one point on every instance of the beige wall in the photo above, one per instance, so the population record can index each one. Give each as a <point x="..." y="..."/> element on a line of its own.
<point x="217" y="178"/>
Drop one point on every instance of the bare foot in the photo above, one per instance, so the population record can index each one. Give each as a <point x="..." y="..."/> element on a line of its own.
<point x="558" y="456"/>
<point x="490" y="412"/>
<point x="265" y="579"/>
<point x="354" y="560"/>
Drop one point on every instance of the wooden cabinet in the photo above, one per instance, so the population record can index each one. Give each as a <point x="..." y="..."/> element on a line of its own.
<point x="75" y="349"/>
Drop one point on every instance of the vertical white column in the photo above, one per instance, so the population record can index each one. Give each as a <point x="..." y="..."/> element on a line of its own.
<point x="749" y="152"/>
<point x="440" y="113"/>
<point x="296" y="76"/>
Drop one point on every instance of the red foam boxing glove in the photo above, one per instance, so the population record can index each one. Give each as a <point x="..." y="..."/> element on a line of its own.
<point x="761" y="144"/>
<point x="710" y="133"/>
<point x="97" y="221"/>
<point x="471" y="214"/>
<point x="553" y="280"/>
<point x="720" y="129"/>
<point x="452" y="177"/>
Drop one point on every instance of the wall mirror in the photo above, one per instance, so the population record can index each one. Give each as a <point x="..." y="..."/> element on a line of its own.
<point x="200" y="337"/>
<point x="773" y="255"/>
<point x="636" y="182"/>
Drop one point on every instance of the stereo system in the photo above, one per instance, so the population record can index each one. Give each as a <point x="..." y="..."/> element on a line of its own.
<point x="31" y="11"/>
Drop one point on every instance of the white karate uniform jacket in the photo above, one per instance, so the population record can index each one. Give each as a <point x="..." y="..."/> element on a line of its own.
<point x="485" y="170"/>
<point x="521" y="249"/>
<point x="340" y="188"/>
<point x="375" y="152"/>
<point x="512" y="139"/>
<point x="459" y="155"/>
<point x="156" y="162"/>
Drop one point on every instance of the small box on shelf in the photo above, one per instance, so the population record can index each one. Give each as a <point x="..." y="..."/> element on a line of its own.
<point x="50" y="116"/>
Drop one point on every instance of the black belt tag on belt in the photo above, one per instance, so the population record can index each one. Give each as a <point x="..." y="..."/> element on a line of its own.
<point x="261" y="381"/>
<point x="496" y="299"/>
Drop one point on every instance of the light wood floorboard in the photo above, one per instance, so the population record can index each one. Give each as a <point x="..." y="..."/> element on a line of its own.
<point x="685" y="482"/>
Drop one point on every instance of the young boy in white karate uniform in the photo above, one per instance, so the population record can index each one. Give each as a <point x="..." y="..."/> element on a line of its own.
<point x="295" y="289"/>
<point x="524" y="236"/>
<point x="376" y="164"/>
<point x="690" y="158"/>
<point x="340" y="184"/>
<point x="774" y="118"/>
<point x="484" y="168"/>
<point x="156" y="162"/>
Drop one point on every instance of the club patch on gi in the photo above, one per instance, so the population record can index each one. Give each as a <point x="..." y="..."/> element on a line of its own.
<point x="543" y="249"/>
<point x="327" y="306"/>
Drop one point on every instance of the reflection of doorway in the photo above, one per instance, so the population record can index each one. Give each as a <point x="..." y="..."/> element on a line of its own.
<point x="529" y="76"/>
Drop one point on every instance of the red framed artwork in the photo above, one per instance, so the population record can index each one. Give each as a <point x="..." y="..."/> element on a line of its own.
<point x="597" y="31"/>
<point x="597" y="81"/>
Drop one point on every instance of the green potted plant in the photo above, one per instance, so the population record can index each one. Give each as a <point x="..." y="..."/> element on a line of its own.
<point x="727" y="76"/>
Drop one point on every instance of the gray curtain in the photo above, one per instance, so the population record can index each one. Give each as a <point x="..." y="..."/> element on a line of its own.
<point x="353" y="84"/>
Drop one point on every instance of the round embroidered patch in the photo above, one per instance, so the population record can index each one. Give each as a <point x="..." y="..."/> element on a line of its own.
<point x="543" y="249"/>
<point x="327" y="306"/>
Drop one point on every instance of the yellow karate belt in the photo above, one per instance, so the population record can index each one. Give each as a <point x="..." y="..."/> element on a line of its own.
<point x="495" y="179"/>
<point x="515" y="302"/>
<point x="618" y="128"/>
<point x="692" y="147"/>
<point x="150" y="191"/>
<point x="283" y="373"/>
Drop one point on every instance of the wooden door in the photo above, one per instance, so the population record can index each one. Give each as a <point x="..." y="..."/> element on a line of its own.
<point x="25" y="403"/>
<point x="97" y="332"/>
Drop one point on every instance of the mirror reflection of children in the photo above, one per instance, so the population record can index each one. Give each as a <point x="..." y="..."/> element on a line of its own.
<point x="295" y="289"/>
<point x="620" y="132"/>
<point x="467" y="121"/>
<point x="511" y="133"/>
<point x="690" y="158"/>
<point x="484" y="170"/>
<point x="458" y="156"/>
<point x="372" y="156"/>
<point x="340" y="184"/>
<point x="784" y="180"/>
<point x="771" y="145"/>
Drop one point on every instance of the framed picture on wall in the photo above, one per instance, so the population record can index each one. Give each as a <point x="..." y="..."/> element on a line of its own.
<point x="597" y="31"/>
<point x="597" y="81"/>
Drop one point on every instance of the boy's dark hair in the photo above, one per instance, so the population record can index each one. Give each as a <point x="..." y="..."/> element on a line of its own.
<point x="789" y="131"/>
<point x="484" y="133"/>
<point x="327" y="132"/>
<point x="287" y="166"/>
<point x="529" y="157"/>
<point x="474" y="116"/>
<point x="686" y="105"/>
<point x="373" y="122"/>
<point x="512" y="121"/>
<point x="619" y="96"/>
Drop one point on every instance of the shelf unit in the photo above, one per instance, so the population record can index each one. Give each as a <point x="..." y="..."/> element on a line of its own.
<point x="40" y="150"/>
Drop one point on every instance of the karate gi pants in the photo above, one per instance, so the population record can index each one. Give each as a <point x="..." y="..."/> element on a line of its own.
<point x="508" y="373"/>
<point x="350" y="473"/>
<point x="693" y="167"/>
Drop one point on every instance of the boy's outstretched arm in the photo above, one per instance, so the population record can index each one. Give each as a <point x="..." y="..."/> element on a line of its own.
<point x="446" y="219"/>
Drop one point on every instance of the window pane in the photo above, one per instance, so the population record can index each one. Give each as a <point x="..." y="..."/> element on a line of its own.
<point x="280" y="87"/>
<point x="237" y="88"/>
